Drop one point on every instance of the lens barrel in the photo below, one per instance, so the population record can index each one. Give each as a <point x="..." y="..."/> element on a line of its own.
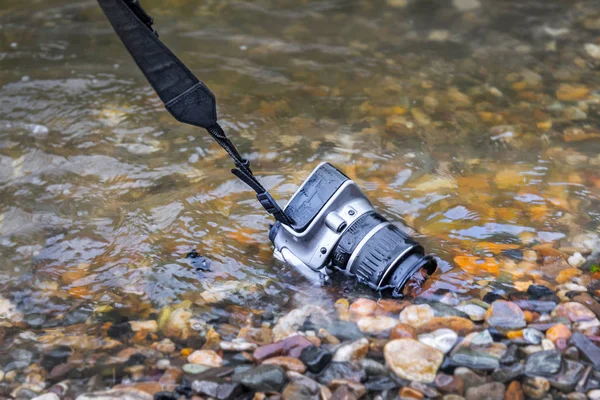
<point x="379" y="254"/>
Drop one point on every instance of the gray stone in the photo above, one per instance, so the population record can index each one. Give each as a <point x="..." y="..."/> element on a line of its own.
<point x="509" y="373"/>
<point x="120" y="394"/>
<point x="535" y="387"/>
<point x="470" y="358"/>
<point x="533" y="336"/>
<point x="568" y="376"/>
<point x="469" y="377"/>
<point x="264" y="378"/>
<point x="543" y="363"/>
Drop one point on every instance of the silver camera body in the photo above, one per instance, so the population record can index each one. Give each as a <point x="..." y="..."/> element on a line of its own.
<point x="336" y="227"/>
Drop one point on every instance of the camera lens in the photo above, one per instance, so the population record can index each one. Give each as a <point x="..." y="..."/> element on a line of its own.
<point x="379" y="254"/>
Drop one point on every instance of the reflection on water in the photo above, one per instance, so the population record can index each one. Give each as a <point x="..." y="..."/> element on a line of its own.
<point x="476" y="122"/>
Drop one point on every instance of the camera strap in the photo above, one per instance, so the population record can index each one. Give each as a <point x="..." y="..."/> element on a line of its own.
<point x="184" y="95"/>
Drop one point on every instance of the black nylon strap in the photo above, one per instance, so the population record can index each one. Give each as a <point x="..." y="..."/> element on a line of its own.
<point x="184" y="96"/>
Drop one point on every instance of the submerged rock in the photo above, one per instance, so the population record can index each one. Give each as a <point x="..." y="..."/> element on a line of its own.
<point x="412" y="360"/>
<point x="543" y="363"/>
<point x="505" y="315"/>
<point x="264" y="378"/>
<point x="354" y="351"/>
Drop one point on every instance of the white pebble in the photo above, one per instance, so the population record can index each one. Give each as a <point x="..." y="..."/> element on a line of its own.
<point x="576" y="260"/>
<point x="593" y="50"/>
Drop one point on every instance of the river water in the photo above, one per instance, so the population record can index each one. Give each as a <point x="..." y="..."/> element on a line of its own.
<point x="475" y="122"/>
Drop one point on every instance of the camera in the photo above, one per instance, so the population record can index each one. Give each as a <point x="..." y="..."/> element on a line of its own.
<point x="335" y="227"/>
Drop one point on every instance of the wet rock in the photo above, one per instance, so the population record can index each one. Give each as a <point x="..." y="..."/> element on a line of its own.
<point x="400" y="331"/>
<point x="217" y="390"/>
<point x="295" y="390"/>
<point x="478" y="351"/>
<point x="315" y="358"/>
<point x="264" y="378"/>
<point x="362" y="308"/>
<point x="587" y="348"/>
<point x="177" y="324"/>
<point x="357" y="389"/>
<point x="380" y="383"/>
<point x="55" y="356"/>
<point x="205" y="357"/>
<point x="292" y="346"/>
<point x="592" y="50"/>
<point x="238" y="346"/>
<point x="407" y="393"/>
<point x="514" y="392"/>
<point x="288" y="363"/>
<point x="121" y="394"/>
<point x="510" y="357"/>
<point x="537" y="291"/>
<point x="505" y="315"/>
<point x="412" y="360"/>
<point x="343" y="393"/>
<point x="589" y="302"/>
<point x="594" y="394"/>
<point x="508" y="373"/>
<point x="416" y="315"/>
<point x="568" y="376"/>
<point x="461" y="326"/>
<point x="489" y="391"/>
<point x="165" y="346"/>
<point x="567" y="92"/>
<point x="575" y="312"/>
<point x="373" y="368"/>
<point x="450" y="383"/>
<point x="466" y="5"/>
<point x="543" y="363"/>
<point x="442" y="339"/>
<point x="144" y="326"/>
<point x="339" y="370"/>
<point x="475" y="312"/>
<point x="558" y="332"/>
<point x="376" y="325"/>
<point x="354" y="351"/>
<point x="536" y="387"/>
<point x="290" y="323"/>
<point x="194" y="369"/>
<point x="532" y="336"/>
<point x="47" y="396"/>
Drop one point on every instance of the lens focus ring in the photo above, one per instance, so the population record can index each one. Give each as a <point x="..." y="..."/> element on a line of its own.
<point x="374" y="258"/>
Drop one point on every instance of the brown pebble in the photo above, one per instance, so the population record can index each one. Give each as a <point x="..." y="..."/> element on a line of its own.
<point x="403" y="331"/>
<point x="589" y="302"/>
<point x="362" y="308"/>
<point x="288" y="363"/>
<point x="410" y="393"/>
<point x="171" y="376"/>
<point x="148" y="387"/>
<point x="514" y="392"/>
<point x="343" y="393"/>
<point x="575" y="312"/>
<point x="291" y="346"/>
<point x="357" y="389"/>
<point x="388" y="306"/>
<point x="449" y="384"/>
<point x="461" y="326"/>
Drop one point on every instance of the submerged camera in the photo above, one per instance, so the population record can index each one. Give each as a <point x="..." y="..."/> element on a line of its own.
<point x="336" y="227"/>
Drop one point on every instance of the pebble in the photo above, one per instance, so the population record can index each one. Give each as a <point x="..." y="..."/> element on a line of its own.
<point x="412" y="360"/>
<point x="291" y="346"/>
<point x="288" y="363"/>
<point x="205" y="357"/>
<point x="505" y="315"/>
<point x="575" y="312"/>
<point x="532" y="336"/>
<point x="543" y="363"/>
<point x="194" y="369"/>
<point x="120" y="394"/>
<point x="263" y="378"/>
<point x="340" y="370"/>
<point x="594" y="394"/>
<point x="588" y="349"/>
<point x="514" y="392"/>
<point x="475" y="312"/>
<point x="441" y="339"/>
<point x="489" y="391"/>
<point x="177" y="325"/>
<point x="47" y="396"/>
<point x="593" y="50"/>
<point x="315" y="358"/>
<point x="462" y="326"/>
<point x="145" y="326"/>
<point x="416" y="315"/>
<point x="296" y="390"/>
<point x="469" y="377"/>
<point x="216" y="390"/>
<point x="449" y="383"/>
<point x="354" y="351"/>
<point x="237" y="346"/>
<point x="401" y="330"/>
<point x="568" y="376"/>
<point x="165" y="346"/>
<point x="536" y="387"/>
<point x="508" y="373"/>
<point x="362" y="308"/>
<point x="379" y="324"/>
<point x="290" y="323"/>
